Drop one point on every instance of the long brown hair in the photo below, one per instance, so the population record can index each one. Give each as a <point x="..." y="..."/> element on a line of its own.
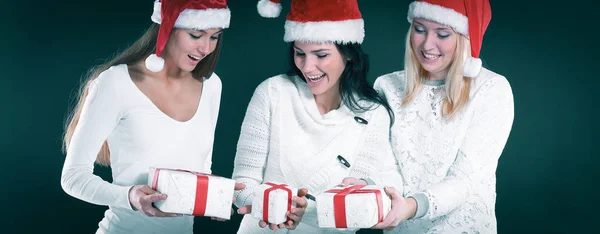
<point x="135" y="53"/>
<point x="457" y="86"/>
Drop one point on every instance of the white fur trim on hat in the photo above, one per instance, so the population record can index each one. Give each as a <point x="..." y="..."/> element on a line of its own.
<point x="439" y="14"/>
<point x="155" y="63"/>
<point x="197" y="19"/>
<point x="471" y="66"/>
<point x="268" y="9"/>
<point x="347" y="31"/>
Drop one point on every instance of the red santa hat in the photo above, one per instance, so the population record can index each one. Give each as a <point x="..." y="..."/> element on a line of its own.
<point x="337" y="21"/>
<point x="187" y="14"/>
<point x="467" y="17"/>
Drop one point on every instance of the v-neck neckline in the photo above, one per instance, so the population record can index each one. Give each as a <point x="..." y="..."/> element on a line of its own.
<point x="138" y="90"/>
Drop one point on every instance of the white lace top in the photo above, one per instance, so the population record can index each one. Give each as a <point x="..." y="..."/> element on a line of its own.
<point x="450" y="163"/>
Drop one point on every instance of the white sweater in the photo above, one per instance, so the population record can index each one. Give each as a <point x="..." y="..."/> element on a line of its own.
<point x="139" y="136"/>
<point x="450" y="165"/>
<point x="285" y="139"/>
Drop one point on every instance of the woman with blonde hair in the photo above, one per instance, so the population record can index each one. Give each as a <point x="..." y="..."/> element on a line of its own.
<point x="453" y="119"/>
<point x="155" y="105"/>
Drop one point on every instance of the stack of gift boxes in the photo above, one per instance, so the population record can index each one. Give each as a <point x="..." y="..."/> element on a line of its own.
<point x="198" y="194"/>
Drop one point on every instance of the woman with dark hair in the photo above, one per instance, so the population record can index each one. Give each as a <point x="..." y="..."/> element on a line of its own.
<point x="155" y="105"/>
<point x="318" y="124"/>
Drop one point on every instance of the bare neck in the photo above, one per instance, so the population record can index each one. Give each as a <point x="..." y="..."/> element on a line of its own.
<point x="328" y="101"/>
<point x="172" y="73"/>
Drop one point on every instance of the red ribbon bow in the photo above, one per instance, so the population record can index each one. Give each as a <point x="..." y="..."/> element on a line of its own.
<point x="339" y="203"/>
<point x="201" y="189"/>
<point x="266" y="199"/>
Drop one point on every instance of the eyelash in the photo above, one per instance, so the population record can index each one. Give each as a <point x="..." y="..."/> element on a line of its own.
<point x="214" y="38"/>
<point x="418" y="30"/>
<point x="303" y="54"/>
<point x="440" y="36"/>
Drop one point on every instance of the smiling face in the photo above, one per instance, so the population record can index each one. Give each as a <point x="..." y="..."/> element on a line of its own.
<point x="321" y="65"/>
<point x="434" y="45"/>
<point x="187" y="47"/>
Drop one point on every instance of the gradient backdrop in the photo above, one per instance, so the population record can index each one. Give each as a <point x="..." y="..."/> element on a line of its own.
<point x="545" y="50"/>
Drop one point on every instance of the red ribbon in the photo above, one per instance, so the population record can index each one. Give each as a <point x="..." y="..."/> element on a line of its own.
<point x="201" y="189"/>
<point x="266" y="199"/>
<point x="339" y="203"/>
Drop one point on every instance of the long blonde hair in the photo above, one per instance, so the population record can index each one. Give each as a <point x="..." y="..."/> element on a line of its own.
<point x="135" y="53"/>
<point x="457" y="86"/>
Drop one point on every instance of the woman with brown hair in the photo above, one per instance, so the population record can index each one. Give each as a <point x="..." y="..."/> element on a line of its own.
<point x="155" y="105"/>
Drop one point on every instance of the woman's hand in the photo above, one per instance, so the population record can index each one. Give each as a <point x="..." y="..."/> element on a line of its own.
<point x="295" y="214"/>
<point x="402" y="209"/>
<point x="238" y="186"/>
<point x="141" y="198"/>
<point x="352" y="181"/>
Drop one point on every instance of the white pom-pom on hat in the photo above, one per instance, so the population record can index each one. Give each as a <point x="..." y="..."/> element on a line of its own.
<point x="269" y="8"/>
<point x="471" y="67"/>
<point x="155" y="63"/>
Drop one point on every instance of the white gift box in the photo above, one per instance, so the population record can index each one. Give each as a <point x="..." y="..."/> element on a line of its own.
<point x="355" y="206"/>
<point x="192" y="193"/>
<point x="278" y="202"/>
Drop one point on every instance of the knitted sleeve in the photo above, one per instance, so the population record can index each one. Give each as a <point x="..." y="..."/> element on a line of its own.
<point x="100" y="114"/>
<point x="253" y="144"/>
<point x="478" y="155"/>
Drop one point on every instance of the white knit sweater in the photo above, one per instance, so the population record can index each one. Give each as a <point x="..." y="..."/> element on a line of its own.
<point x="450" y="165"/>
<point x="285" y="139"/>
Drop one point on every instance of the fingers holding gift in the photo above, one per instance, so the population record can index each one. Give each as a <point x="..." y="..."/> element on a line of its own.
<point x="401" y="210"/>
<point x="239" y="186"/>
<point x="295" y="219"/>
<point x="142" y="198"/>
<point x="245" y="210"/>
<point x="149" y="199"/>
<point x="262" y="224"/>
<point x="295" y="214"/>
<point x="302" y="192"/>
<point x="275" y="227"/>
<point x="389" y="222"/>
<point x="301" y="202"/>
<point x="272" y="226"/>
<point x="352" y="181"/>
<point x="150" y="210"/>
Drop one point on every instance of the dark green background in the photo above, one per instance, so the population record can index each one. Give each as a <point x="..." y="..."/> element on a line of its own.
<point x="545" y="176"/>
